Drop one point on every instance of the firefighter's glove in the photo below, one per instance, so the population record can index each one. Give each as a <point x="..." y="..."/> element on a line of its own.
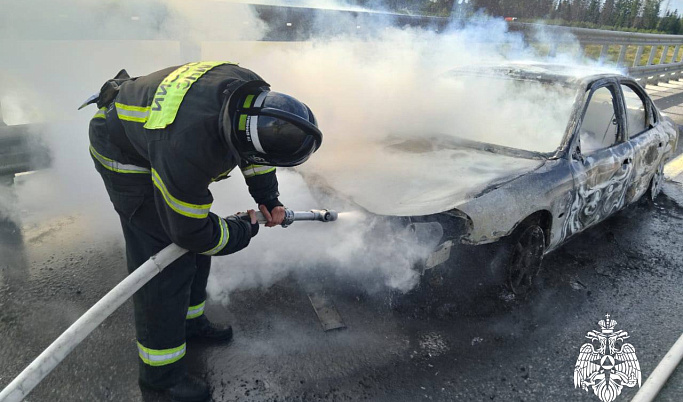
<point x="250" y="218"/>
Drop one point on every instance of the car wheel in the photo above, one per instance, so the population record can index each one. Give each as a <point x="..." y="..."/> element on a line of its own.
<point x="526" y="255"/>
<point x="656" y="184"/>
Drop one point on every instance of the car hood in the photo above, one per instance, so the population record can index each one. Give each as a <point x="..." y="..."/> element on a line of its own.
<point x="412" y="178"/>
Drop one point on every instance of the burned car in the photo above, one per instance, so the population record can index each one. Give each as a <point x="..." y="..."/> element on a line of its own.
<point x="21" y="150"/>
<point x="574" y="146"/>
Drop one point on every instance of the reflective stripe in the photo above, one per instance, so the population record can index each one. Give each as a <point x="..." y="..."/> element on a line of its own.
<point x="242" y="125"/>
<point x="138" y="114"/>
<point x="247" y="102"/>
<point x="222" y="175"/>
<point x="115" y="166"/>
<point x="171" y="91"/>
<point x="181" y="207"/>
<point x="100" y="114"/>
<point x="225" y="235"/>
<point x="162" y="357"/>
<point x="195" y="311"/>
<point x="253" y="134"/>
<point x="256" y="170"/>
<point x="260" y="98"/>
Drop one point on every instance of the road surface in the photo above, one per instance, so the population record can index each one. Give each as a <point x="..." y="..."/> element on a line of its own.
<point x="460" y="340"/>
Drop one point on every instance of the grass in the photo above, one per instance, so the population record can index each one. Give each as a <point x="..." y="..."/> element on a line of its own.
<point x="592" y="52"/>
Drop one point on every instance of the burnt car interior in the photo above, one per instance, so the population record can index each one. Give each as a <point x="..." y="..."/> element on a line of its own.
<point x="600" y="126"/>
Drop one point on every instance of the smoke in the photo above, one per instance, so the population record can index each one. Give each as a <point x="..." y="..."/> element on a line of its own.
<point x="380" y="87"/>
<point x="367" y="250"/>
<point x="57" y="53"/>
<point x="380" y="82"/>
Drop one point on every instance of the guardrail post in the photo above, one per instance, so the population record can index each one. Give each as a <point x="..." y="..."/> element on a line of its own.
<point x="676" y="49"/>
<point x="651" y="59"/>
<point x="676" y="75"/>
<point x="642" y="67"/>
<point x="665" y="53"/>
<point x="639" y="54"/>
<point x="603" y="53"/>
<point x="622" y="55"/>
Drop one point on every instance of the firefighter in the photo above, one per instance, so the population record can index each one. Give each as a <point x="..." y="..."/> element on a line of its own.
<point x="159" y="141"/>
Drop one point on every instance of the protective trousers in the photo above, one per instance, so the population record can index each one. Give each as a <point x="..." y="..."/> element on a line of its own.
<point x="177" y="294"/>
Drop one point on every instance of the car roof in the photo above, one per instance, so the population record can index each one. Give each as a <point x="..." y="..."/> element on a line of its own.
<point x="545" y="72"/>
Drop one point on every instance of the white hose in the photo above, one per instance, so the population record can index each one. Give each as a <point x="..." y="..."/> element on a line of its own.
<point x="62" y="346"/>
<point x="648" y="392"/>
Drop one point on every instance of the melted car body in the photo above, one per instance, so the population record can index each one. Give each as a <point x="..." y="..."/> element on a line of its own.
<point x="606" y="142"/>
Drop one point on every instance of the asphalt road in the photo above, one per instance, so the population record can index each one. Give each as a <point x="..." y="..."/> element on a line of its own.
<point x="456" y="337"/>
<point x="457" y="341"/>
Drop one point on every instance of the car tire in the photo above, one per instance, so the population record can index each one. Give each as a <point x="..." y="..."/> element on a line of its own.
<point x="522" y="255"/>
<point x="655" y="187"/>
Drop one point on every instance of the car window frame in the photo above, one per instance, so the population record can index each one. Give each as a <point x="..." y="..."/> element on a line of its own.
<point x="650" y="114"/>
<point x="613" y="86"/>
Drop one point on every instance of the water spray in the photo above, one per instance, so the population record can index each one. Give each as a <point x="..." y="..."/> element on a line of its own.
<point x="32" y="375"/>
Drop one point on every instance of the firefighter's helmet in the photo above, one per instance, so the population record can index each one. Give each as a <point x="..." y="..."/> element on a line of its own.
<point x="269" y="128"/>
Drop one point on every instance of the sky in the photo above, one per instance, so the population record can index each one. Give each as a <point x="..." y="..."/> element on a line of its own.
<point x="675" y="5"/>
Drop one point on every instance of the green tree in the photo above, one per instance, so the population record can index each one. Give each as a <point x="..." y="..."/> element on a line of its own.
<point x="671" y="23"/>
<point x="593" y="12"/>
<point x="608" y="13"/>
<point x="650" y="14"/>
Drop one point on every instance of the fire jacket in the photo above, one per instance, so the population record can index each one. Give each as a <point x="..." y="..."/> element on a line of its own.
<point x="164" y="128"/>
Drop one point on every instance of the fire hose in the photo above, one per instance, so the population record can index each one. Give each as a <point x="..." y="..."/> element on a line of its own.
<point x="648" y="392"/>
<point x="32" y="375"/>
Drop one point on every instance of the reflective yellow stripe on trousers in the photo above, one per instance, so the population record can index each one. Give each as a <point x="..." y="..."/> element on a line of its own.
<point x="115" y="166"/>
<point x="100" y="114"/>
<point x="196" y="311"/>
<point x="160" y="357"/>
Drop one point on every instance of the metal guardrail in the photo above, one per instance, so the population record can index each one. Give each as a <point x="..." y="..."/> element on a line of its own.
<point x="294" y="24"/>
<point x="648" y="73"/>
<point x="289" y="23"/>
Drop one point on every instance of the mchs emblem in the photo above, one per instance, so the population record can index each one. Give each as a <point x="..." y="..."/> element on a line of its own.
<point x="605" y="365"/>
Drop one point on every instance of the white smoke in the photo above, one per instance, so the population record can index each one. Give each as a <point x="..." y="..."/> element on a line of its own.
<point x="364" y="86"/>
<point x="363" y="89"/>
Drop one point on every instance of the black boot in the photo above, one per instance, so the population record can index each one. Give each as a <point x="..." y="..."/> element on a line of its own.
<point x="188" y="389"/>
<point x="201" y="328"/>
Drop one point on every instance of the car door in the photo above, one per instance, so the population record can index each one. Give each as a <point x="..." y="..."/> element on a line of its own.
<point x="601" y="159"/>
<point x="643" y="135"/>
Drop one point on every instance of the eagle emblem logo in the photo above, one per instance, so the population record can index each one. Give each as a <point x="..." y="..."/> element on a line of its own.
<point x="611" y="366"/>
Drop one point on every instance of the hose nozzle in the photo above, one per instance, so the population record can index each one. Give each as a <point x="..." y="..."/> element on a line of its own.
<point x="321" y="215"/>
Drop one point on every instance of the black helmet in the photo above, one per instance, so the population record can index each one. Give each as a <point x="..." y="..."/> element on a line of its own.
<point x="269" y="128"/>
